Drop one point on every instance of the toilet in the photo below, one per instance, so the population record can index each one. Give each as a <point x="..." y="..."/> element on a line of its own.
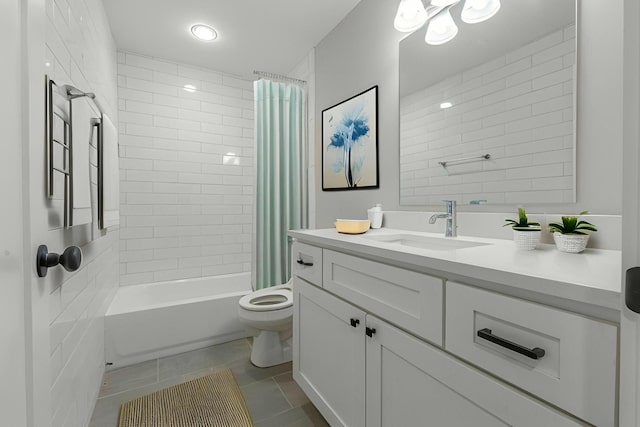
<point x="268" y="315"/>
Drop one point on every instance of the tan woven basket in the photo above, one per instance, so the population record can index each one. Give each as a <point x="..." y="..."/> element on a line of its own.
<point x="526" y="240"/>
<point x="572" y="243"/>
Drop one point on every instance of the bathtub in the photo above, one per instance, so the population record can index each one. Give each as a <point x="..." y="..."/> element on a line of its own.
<point x="149" y="321"/>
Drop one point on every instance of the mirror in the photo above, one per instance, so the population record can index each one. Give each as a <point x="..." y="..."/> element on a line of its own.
<point x="489" y="117"/>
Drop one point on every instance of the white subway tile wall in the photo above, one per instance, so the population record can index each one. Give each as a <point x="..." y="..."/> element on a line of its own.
<point x="79" y="50"/>
<point x="519" y="108"/>
<point x="186" y="171"/>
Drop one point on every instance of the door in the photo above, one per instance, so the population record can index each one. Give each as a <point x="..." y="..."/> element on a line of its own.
<point x="630" y="321"/>
<point x="412" y="383"/>
<point x="12" y="286"/>
<point x="328" y="354"/>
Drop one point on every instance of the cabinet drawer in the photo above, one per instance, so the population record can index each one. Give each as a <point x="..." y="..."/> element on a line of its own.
<point x="578" y="369"/>
<point x="306" y="262"/>
<point x="408" y="299"/>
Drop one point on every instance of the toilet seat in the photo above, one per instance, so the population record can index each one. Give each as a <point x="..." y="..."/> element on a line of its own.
<point x="269" y="299"/>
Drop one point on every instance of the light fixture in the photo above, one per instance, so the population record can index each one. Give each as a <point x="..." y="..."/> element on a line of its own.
<point x="412" y="14"/>
<point x="441" y="28"/>
<point x="204" y="32"/>
<point x="189" y="88"/>
<point x="475" y="11"/>
<point x="446" y="105"/>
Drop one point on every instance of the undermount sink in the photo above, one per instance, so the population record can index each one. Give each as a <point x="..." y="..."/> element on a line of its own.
<point x="425" y="242"/>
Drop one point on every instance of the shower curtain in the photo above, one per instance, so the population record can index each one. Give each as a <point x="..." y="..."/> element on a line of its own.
<point x="280" y="136"/>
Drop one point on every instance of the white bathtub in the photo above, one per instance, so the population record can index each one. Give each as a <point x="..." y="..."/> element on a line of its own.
<point x="154" y="320"/>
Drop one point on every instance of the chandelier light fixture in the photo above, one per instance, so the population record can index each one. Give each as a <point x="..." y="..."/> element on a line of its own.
<point x="412" y="14"/>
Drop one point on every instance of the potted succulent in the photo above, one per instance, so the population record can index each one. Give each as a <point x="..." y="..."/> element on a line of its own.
<point x="572" y="234"/>
<point x="526" y="234"/>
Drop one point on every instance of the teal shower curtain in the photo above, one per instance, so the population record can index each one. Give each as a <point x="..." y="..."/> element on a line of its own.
<point x="280" y="136"/>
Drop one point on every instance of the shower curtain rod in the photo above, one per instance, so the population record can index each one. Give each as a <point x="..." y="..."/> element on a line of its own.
<point x="279" y="77"/>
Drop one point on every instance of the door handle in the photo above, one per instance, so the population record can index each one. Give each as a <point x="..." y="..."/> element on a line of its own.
<point x="370" y="331"/>
<point x="306" y="264"/>
<point x="533" y="353"/>
<point x="632" y="289"/>
<point x="354" y="322"/>
<point x="70" y="259"/>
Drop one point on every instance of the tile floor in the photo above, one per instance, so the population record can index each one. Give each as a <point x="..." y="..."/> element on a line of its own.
<point x="273" y="398"/>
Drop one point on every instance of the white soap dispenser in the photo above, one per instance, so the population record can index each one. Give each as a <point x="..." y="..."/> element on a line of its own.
<point x="375" y="215"/>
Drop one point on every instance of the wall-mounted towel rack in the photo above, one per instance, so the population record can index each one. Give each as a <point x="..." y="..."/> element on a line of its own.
<point x="465" y="160"/>
<point x="60" y="153"/>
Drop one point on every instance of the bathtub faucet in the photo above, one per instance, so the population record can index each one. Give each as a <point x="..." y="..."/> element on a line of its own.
<point x="450" y="216"/>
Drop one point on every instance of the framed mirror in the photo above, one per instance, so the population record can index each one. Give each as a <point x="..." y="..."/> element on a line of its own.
<point x="489" y="117"/>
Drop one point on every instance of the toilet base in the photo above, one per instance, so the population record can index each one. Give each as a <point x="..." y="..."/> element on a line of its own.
<point x="269" y="349"/>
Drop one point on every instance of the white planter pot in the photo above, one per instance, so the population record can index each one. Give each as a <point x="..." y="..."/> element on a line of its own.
<point x="526" y="240"/>
<point x="572" y="243"/>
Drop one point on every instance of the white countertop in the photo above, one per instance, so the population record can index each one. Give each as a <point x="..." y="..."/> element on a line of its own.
<point x="591" y="277"/>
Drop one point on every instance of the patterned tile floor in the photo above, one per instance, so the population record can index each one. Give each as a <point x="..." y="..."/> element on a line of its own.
<point x="273" y="397"/>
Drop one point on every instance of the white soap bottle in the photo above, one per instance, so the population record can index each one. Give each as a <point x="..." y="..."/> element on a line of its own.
<point x="375" y="215"/>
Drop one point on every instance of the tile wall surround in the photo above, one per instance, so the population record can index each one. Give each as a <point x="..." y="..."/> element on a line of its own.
<point x="79" y="50"/>
<point x="518" y="107"/>
<point x="186" y="171"/>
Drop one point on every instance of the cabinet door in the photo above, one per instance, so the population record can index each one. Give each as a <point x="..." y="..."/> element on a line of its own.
<point x="328" y="354"/>
<point x="411" y="383"/>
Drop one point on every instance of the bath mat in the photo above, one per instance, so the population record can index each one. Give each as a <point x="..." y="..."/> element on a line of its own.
<point x="214" y="400"/>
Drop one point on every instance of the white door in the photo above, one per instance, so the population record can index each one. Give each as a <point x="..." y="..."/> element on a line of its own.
<point x="630" y="322"/>
<point x="12" y="286"/>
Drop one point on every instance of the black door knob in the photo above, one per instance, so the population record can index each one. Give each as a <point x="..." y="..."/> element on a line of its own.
<point x="70" y="259"/>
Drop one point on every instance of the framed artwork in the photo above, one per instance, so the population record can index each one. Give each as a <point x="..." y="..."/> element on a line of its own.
<point x="350" y="143"/>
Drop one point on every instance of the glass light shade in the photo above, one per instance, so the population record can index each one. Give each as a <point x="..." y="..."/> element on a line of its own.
<point x="204" y="32"/>
<point x="475" y="11"/>
<point x="441" y="28"/>
<point x="411" y="15"/>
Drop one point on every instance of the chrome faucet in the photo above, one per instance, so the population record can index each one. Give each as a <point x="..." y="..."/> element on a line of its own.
<point x="450" y="216"/>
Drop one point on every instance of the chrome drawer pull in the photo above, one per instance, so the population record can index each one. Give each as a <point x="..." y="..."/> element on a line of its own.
<point x="534" y="353"/>
<point x="301" y="262"/>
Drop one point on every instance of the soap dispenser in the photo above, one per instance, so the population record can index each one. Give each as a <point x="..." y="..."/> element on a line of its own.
<point x="375" y="215"/>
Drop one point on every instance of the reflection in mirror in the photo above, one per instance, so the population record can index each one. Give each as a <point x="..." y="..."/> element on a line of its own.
<point x="489" y="117"/>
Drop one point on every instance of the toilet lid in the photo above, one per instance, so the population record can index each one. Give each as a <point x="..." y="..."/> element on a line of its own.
<point x="267" y="300"/>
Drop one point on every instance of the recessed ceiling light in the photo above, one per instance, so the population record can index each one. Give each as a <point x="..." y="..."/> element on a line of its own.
<point x="189" y="88"/>
<point x="446" y="105"/>
<point x="204" y="32"/>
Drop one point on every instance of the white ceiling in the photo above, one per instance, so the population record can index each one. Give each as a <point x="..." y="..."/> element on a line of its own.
<point x="267" y="35"/>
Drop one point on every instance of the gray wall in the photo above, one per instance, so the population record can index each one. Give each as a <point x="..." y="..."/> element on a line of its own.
<point x="362" y="51"/>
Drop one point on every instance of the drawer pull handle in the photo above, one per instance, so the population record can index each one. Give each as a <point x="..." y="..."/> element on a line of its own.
<point x="370" y="331"/>
<point x="301" y="262"/>
<point x="533" y="353"/>
<point x="354" y="322"/>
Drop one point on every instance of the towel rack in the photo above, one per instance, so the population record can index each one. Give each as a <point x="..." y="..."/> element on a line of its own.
<point x="59" y="137"/>
<point x="465" y="160"/>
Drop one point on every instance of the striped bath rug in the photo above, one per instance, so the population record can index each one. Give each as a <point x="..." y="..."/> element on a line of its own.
<point x="214" y="400"/>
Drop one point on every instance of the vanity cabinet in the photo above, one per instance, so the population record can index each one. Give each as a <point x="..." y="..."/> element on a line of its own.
<point x="361" y="371"/>
<point x="369" y="350"/>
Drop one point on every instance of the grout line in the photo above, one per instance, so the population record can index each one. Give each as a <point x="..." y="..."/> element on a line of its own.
<point x="282" y="391"/>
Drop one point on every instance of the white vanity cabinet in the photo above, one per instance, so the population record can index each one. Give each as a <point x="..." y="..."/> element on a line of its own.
<point x="370" y="350"/>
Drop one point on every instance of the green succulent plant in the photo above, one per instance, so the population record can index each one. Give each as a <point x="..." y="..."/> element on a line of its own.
<point x="571" y="225"/>
<point x="522" y="224"/>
